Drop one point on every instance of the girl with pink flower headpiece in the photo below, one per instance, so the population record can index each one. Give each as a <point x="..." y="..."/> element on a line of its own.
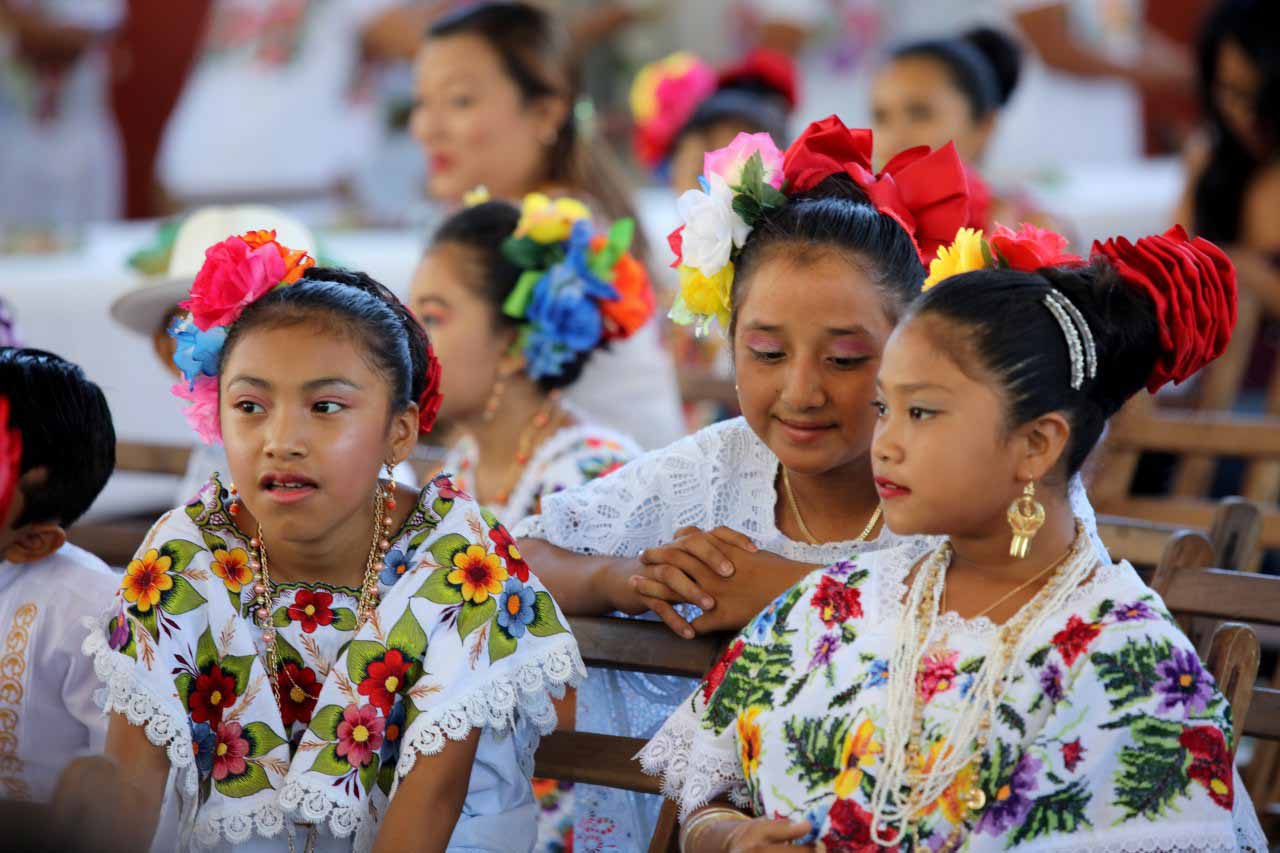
<point x="316" y="657"/>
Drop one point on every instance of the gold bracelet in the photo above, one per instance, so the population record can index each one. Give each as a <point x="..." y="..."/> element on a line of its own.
<point x="703" y="819"/>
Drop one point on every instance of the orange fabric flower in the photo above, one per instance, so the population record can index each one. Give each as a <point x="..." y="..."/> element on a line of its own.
<point x="146" y="578"/>
<point x="635" y="303"/>
<point x="296" y="261"/>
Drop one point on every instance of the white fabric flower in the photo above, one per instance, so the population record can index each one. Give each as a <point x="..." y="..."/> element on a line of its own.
<point x="711" y="227"/>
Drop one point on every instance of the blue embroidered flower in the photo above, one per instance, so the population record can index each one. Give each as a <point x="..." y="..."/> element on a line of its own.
<point x="394" y="565"/>
<point x="196" y="353"/>
<point x="817" y="818"/>
<point x="761" y="627"/>
<point x="965" y="684"/>
<point x="203" y="745"/>
<point x="515" y="607"/>
<point x="878" y="674"/>
<point x="393" y="734"/>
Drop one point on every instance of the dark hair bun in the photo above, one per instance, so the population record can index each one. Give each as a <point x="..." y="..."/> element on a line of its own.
<point x="1004" y="54"/>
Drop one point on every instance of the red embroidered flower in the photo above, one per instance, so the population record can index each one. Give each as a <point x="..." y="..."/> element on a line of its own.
<point x="938" y="674"/>
<point x="1030" y="248"/>
<point x="229" y="754"/>
<point x="1210" y="763"/>
<point x="10" y="459"/>
<point x="233" y="276"/>
<point x="311" y="609"/>
<point x="298" y="693"/>
<point x="360" y="734"/>
<point x="1071" y="754"/>
<point x="504" y="545"/>
<point x="850" y="830"/>
<point x="836" y="602"/>
<point x="384" y="679"/>
<point x="212" y="694"/>
<point x="1074" y="640"/>
<point x="716" y="676"/>
<point x="1192" y="284"/>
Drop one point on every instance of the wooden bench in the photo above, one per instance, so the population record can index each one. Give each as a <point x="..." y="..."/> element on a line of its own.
<point x="1235" y="532"/>
<point x="609" y="760"/>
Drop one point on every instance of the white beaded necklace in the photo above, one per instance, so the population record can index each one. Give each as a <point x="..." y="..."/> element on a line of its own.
<point x="964" y="741"/>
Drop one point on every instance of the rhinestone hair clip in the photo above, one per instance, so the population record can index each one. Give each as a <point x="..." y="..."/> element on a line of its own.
<point x="1080" y="345"/>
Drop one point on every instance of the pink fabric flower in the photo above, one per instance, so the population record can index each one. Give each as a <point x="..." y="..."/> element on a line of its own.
<point x="233" y="276"/>
<point x="228" y="755"/>
<point x="202" y="414"/>
<point x="360" y="734"/>
<point x="729" y="161"/>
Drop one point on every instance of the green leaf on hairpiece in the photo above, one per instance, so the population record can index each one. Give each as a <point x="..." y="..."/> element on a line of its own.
<point x="517" y="302"/>
<point x="990" y="256"/>
<point x="747" y="208"/>
<point x="771" y="197"/>
<point x="523" y="252"/>
<point x="621" y="233"/>
<point x="753" y="175"/>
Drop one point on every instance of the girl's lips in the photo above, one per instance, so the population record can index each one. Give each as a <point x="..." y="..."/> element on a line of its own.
<point x="889" y="489"/>
<point x="441" y="163"/>
<point x="284" y="488"/>
<point x="800" y="432"/>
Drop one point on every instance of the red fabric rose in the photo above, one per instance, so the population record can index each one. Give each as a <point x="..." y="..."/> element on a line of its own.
<point x="1211" y="762"/>
<point x="924" y="191"/>
<point x="212" y="694"/>
<point x="1030" y="248"/>
<point x="1192" y="284"/>
<point x="716" y="676"/>
<point x="10" y="459"/>
<point x="430" y="398"/>
<point x="770" y="68"/>
<point x="676" y="241"/>
<point x="384" y="679"/>
<point x="836" y="602"/>
<point x="979" y="199"/>
<point x="296" y="261"/>
<point x="233" y="276"/>
<point x="1074" y="640"/>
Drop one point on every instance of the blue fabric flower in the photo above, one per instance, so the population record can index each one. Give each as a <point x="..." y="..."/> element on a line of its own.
<point x="203" y="744"/>
<point x="196" y="353"/>
<point x="544" y="356"/>
<point x="394" y="565"/>
<point x="565" y="304"/>
<point x="393" y="734"/>
<point x="515" y="607"/>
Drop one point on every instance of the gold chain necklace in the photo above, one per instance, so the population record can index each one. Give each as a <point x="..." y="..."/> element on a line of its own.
<point x="526" y="444"/>
<point x="264" y="591"/>
<point x="804" y="528"/>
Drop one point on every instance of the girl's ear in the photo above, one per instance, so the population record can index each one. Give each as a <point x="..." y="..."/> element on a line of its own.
<point x="1045" y="440"/>
<point x="403" y="435"/>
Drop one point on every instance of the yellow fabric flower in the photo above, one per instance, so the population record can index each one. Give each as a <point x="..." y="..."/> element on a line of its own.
<point x="479" y="572"/>
<point x="749" y="741"/>
<point x="707" y="297"/>
<point x="860" y="750"/>
<point x="963" y="255"/>
<point x="478" y="195"/>
<point x="549" y="221"/>
<point x="644" y="90"/>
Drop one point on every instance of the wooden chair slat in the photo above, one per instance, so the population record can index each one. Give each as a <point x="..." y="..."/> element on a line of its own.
<point x="594" y="759"/>
<point x="1236" y="530"/>
<point x="643" y="646"/>
<point x="1233" y="660"/>
<point x="1263" y="720"/>
<point x="1139" y="541"/>
<point x="1218" y="433"/>
<point x="1224" y="594"/>
<point x="152" y="458"/>
<point x="1189" y="513"/>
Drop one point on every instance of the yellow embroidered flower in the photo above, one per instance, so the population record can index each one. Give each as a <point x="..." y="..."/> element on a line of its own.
<point x="479" y="573"/>
<point x="233" y="567"/>
<point x="860" y="750"/>
<point x="963" y="255"/>
<point x="146" y="578"/>
<point x="548" y="221"/>
<point x="749" y="741"/>
<point x="479" y="195"/>
<point x="707" y="297"/>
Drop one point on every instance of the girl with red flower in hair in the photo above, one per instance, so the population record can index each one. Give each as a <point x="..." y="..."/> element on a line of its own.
<point x="1035" y="693"/>
<point x="254" y="688"/>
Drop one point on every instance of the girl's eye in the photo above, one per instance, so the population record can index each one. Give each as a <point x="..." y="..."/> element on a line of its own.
<point x="880" y="408"/>
<point x="249" y="407"/>
<point x="848" y="362"/>
<point x="429" y="320"/>
<point x="461" y="101"/>
<point x="766" y="355"/>
<point x="328" y="407"/>
<point x="918" y="414"/>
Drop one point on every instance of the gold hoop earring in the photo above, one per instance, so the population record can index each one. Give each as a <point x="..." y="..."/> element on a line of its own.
<point x="1026" y="517"/>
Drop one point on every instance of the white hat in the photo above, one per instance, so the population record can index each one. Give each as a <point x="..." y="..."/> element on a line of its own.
<point x="143" y="308"/>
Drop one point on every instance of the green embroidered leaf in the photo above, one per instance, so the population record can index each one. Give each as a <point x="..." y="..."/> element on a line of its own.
<point x="1062" y="811"/>
<point x="328" y="762"/>
<point x="437" y="588"/>
<point x="360" y="654"/>
<point x="407" y="636"/>
<point x="814" y="747"/>
<point x="443" y="549"/>
<point x="1129" y="675"/>
<point x="261" y="739"/>
<point x="239" y="667"/>
<point x="285" y="653"/>
<point x="796" y="687"/>
<point x="184" y="682"/>
<point x="386" y="776"/>
<point x="489" y="518"/>
<point x="545" y="622"/>
<point x="441" y="508"/>
<point x="474" y="615"/>
<point x="752" y="680"/>
<point x="180" y="551"/>
<point x="344" y="619"/>
<point x="253" y="780"/>
<point x="500" y="646"/>
<point x="148" y="621"/>
<point x="1152" y="773"/>
<point x="325" y="722"/>
<point x="1011" y="718"/>
<point x="212" y="542"/>
<point x="281" y="617"/>
<point x="848" y="634"/>
<point x="369" y="774"/>
<point x="971" y="666"/>
<point x="1104" y="608"/>
<point x="206" y="651"/>
<point x="1039" y="656"/>
<point x="130" y="646"/>
<point x="181" y="597"/>
<point x="843" y="698"/>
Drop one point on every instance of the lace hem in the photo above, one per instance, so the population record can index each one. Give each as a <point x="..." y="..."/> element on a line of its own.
<point x="1146" y="839"/>
<point x="693" y="771"/>
<point x="494" y="705"/>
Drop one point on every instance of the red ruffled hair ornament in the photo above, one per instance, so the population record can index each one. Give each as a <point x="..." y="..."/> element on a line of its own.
<point x="925" y="191"/>
<point x="771" y="69"/>
<point x="430" y="398"/>
<point x="10" y="459"/>
<point x="1192" y="284"/>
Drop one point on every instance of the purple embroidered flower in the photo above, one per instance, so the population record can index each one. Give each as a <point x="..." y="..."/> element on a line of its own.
<point x="878" y="674"/>
<point x="1183" y="681"/>
<point x="842" y="569"/>
<point x="1134" y="612"/>
<point x="1010" y="805"/>
<point x="119" y="632"/>
<point x="1051" y="682"/>
<point x="827" y="645"/>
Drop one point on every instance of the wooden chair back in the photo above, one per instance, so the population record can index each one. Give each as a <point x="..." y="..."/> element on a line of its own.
<point x="1233" y="659"/>
<point x="1234" y="533"/>
<point x="609" y="760"/>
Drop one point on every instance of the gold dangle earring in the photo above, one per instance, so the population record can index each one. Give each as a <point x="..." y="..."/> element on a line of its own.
<point x="1026" y="517"/>
<point x="387" y="504"/>
<point x="495" y="399"/>
<point x="233" y="500"/>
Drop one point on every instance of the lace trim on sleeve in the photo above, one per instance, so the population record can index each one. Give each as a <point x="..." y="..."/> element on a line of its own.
<point x="695" y="768"/>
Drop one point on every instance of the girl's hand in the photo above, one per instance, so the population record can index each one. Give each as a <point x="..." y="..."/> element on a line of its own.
<point x="767" y="835"/>
<point x="691" y="569"/>
<point x="759" y="577"/>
